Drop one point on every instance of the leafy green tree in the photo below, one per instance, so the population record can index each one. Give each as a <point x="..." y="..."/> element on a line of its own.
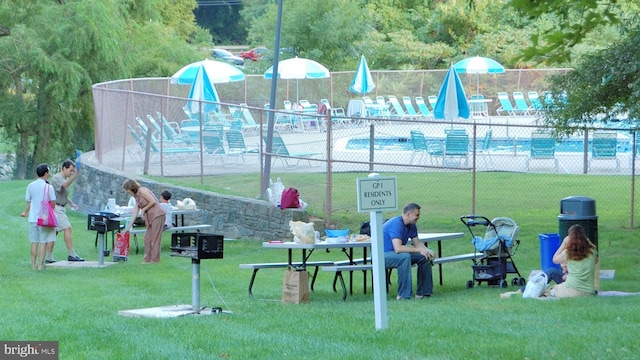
<point x="604" y="87"/>
<point x="224" y="23"/>
<point x="57" y="50"/>
<point x="48" y="68"/>
<point x="573" y="21"/>
<point x="178" y="15"/>
<point x="326" y="30"/>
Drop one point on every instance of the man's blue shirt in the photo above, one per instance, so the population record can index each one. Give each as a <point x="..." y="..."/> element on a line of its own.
<point x="395" y="228"/>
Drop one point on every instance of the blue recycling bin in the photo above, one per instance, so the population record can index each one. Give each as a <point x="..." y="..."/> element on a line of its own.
<point x="549" y="243"/>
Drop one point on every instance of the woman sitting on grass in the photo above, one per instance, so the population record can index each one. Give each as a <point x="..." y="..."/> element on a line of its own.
<point x="581" y="258"/>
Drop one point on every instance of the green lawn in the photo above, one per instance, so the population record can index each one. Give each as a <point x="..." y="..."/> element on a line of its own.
<point x="79" y="307"/>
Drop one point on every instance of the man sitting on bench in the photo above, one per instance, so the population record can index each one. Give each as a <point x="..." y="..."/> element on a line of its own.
<point x="396" y="233"/>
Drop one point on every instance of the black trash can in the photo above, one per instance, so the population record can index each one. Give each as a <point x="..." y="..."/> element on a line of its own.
<point x="579" y="210"/>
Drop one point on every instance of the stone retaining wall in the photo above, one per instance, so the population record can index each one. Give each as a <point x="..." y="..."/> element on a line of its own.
<point x="232" y="216"/>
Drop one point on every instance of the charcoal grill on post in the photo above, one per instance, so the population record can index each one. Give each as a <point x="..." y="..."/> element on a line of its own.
<point x="196" y="246"/>
<point x="103" y="222"/>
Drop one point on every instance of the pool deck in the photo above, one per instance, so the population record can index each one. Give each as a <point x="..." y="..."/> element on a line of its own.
<point x="569" y="163"/>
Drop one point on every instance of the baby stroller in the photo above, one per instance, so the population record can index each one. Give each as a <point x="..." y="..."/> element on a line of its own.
<point x="497" y="246"/>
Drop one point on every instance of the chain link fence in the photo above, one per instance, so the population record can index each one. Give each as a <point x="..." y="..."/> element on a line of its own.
<point x="141" y="128"/>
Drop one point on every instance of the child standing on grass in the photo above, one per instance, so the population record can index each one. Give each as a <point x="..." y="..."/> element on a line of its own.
<point x="165" y="196"/>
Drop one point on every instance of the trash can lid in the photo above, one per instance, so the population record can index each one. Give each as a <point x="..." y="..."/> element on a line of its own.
<point x="578" y="206"/>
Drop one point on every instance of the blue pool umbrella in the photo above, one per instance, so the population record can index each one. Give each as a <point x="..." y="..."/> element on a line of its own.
<point x="298" y="68"/>
<point x="202" y="76"/>
<point x="478" y="65"/>
<point x="452" y="101"/>
<point x="362" y="81"/>
<point x="202" y="90"/>
<point x="219" y="72"/>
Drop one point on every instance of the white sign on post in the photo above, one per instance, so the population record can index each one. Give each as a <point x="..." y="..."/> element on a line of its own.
<point x="375" y="194"/>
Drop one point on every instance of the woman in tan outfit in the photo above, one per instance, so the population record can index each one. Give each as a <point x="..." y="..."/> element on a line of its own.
<point x="152" y="214"/>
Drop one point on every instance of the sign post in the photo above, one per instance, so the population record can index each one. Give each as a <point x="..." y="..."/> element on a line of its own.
<point x="377" y="194"/>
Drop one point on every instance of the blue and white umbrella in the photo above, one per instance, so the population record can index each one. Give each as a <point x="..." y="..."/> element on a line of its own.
<point x="219" y="72"/>
<point x="298" y="69"/>
<point x="452" y="101"/>
<point x="478" y="65"/>
<point x="202" y="92"/>
<point x="202" y="76"/>
<point x="362" y="81"/>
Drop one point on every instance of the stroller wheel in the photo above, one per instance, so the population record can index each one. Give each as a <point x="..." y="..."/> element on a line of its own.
<point x="469" y="284"/>
<point x="503" y="283"/>
<point x="514" y="282"/>
<point x="521" y="282"/>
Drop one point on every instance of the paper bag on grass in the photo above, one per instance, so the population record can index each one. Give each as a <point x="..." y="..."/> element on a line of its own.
<point x="295" y="287"/>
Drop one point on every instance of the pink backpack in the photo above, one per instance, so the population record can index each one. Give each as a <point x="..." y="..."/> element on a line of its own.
<point x="290" y="199"/>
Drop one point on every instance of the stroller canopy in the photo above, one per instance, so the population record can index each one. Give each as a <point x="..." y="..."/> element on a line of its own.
<point x="504" y="229"/>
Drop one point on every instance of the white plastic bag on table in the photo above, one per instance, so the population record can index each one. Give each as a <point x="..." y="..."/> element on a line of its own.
<point x="186" y="204"/>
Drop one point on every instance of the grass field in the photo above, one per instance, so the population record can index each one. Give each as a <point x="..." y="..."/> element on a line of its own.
<point x="79" y="307"/>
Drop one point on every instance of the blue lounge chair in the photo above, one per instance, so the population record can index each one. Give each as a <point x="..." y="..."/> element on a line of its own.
<point x="338" y="115"/>
<point x="335" y="111"/>
<point x="543" y="147"/>
<point x="432" y="101"/>
<point x="214" y="147"/>
<point x="238" y="148"/>
<point x="173" y="130"/>
<point x="505" y="105"/>
<point x="398" y="111"/>
<point x="534" y="99"/>
<point x="144" y="130"/>
<point x="456" y="147"/>
<point x="176" y="153"/>
<point x="422" y="106"/>
<point x="521" y="103"/>
<point x="408" y="104"/>
<point x="485" y="149"/>
<point x="249" y="124"/>
<point x="374" y="109"/>
<point x="214" y="129"/>
<point x="167" y="132"/>
<point x="604" y="147"/>
<point x="280" y="151"/>
<point x="421" y="148"/>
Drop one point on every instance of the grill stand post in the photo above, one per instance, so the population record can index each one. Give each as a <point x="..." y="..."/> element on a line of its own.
<point x="195" y="284"/>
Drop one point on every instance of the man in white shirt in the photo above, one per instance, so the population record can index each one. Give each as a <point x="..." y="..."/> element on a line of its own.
<point x="39" y="236"/>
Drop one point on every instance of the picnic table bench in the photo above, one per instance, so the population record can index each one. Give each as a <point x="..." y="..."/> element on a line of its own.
<point x="359" y="265"/>
<point x="281" y="265"/>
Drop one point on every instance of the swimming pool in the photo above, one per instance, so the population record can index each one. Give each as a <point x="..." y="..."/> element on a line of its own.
<point x="572" y="145"/>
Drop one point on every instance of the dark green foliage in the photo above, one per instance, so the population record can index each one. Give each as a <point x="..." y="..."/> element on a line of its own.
<point x="605" y="86"/>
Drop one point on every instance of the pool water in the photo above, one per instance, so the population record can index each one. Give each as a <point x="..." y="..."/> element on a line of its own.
<point x="497" y="144"/>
